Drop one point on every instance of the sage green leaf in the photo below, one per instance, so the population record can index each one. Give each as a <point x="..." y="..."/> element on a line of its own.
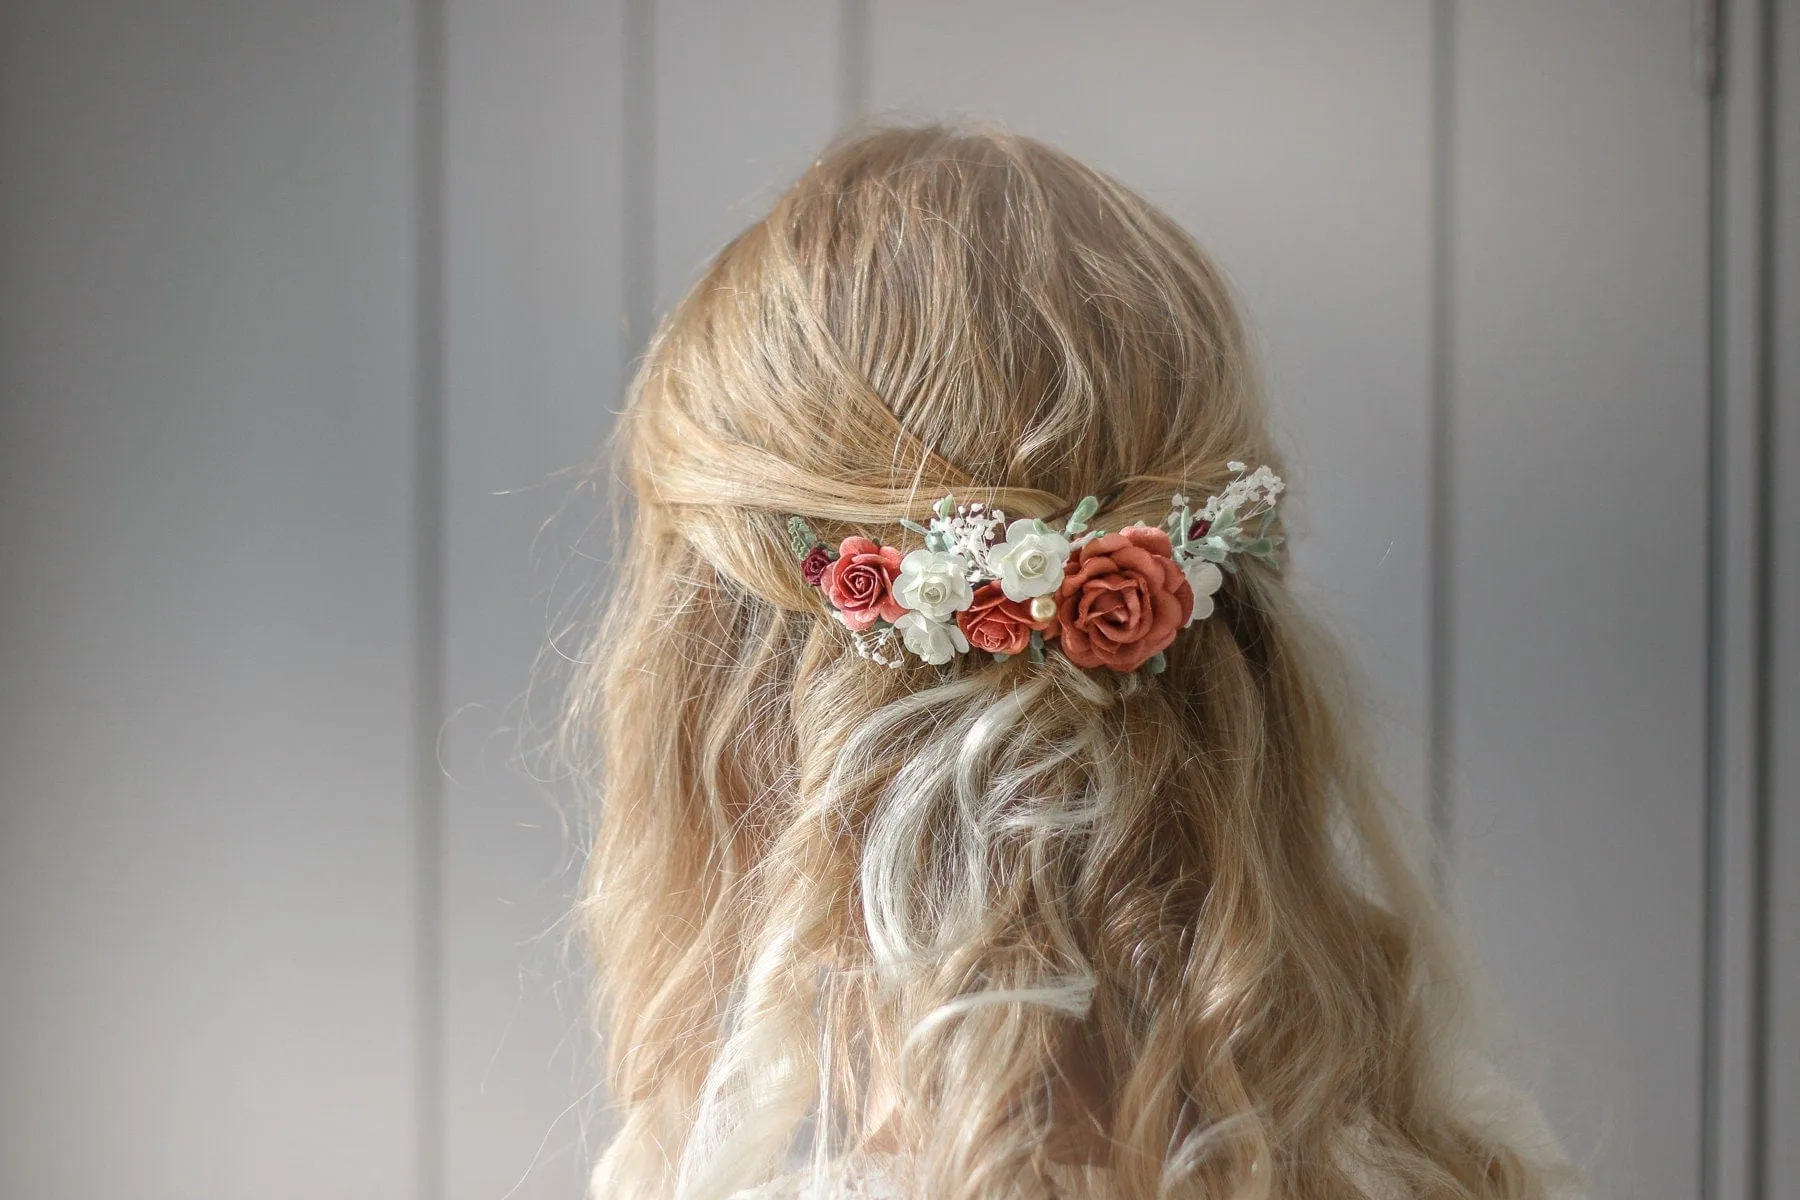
<point x="1084" y="512"/>
<point x="801" y="536"/>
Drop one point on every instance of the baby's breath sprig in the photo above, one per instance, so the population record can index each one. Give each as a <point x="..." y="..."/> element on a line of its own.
<point x="1216" y="531"/>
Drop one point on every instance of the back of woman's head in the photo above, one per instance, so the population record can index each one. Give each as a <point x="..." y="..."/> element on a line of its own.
<point x="1028" y="927"/>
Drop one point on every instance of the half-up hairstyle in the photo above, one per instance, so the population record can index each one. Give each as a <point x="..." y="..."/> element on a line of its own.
<point x="1029" y="929"/>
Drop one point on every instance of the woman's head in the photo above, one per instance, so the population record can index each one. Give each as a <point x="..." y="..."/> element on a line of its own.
<point x="1034" y="926"/>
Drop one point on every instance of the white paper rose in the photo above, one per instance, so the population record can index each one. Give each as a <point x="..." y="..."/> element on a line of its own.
<point x="937" y="642"/>
<point x="1204" y="578"/>
<point x="1030" y="562"/>
<point x="934" y="584"/>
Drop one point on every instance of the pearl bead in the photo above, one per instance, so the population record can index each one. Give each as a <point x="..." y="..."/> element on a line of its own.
<point x="1042" y="608"/>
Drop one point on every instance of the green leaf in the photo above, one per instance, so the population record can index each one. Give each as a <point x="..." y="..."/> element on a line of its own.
<point x="1037" y="646"/>
<point x="908" y="523"/>
<point x="1001" y="656"/>
<point x="1038" y="525"/>
<point x="937" y="540"/>
<point x="943" y="509"/>
<point x="1084" y="512"/>
<point x="801" y="536"/>
<point x="1260" y="548"/>
<point x="1156" y="664"/>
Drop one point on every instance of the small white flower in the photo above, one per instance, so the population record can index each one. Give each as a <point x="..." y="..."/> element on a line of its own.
<point x="1030" y="562"/>
<point x="1205" y="579"/>
<point x="934" y="584"/>
<point x="937" y="642"/>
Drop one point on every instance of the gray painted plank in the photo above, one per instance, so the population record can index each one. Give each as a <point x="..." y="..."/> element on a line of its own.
<point x="535" y="103"/>
<point x="1737" y="880"/>
<point x="543" y="240"/>
<point x="206" y="838"/>
<point x="746" y="94"/>
<point x="1294" y="141"/>
<point x="1578" y="576"/>
<point x="1782" y="1063"/>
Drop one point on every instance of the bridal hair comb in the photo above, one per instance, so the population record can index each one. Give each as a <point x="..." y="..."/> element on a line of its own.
<point x="1112" y="600"/>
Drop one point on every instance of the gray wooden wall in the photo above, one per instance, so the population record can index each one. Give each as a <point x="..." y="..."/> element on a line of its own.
<point x="303" y="304"/>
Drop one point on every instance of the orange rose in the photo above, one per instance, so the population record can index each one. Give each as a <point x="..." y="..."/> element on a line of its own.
<point x="859" y="582"/>
<point x="998" y="625"/>
<point x="1122" y="600"/>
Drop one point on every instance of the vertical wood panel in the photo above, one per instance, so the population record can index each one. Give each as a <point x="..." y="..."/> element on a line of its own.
<point x="1578" y="620"/>
<point x="1782" y="1063"/>
<point x="206" y="364"/>
<point x="533" y="313"/>
<point x="1737" y="825"/>
<point x="746" y="94"/>
<point x="1293" y="140"/>
<point x="545" y="238"/>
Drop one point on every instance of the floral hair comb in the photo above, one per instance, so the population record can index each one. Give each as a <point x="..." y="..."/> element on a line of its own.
<point x="1111" y="600"/>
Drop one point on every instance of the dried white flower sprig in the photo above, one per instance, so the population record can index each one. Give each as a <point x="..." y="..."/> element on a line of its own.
<point x="1112" y="600"/>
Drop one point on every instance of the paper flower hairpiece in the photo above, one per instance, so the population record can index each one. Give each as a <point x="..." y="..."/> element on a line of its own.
<point x="1112" y="600"/>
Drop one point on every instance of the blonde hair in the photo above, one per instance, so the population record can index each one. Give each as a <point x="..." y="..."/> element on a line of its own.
<point x="1037" y="930"/>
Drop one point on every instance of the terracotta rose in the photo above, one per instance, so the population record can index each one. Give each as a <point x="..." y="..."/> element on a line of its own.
<point x="1122" y="599"/>
<point x="998" y="625"/>
<point x="860" y="583"/>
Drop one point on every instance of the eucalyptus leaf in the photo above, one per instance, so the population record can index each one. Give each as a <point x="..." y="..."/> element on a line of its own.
<point x="1084" y="512"/>
<point x="943" y="509"/>
<point x="1156" y="664"/>
<point x="909" y="523"/>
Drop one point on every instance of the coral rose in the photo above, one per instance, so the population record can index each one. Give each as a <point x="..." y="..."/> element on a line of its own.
<point x="860" y="583"/>
<point x="1123" y="599"/>
<point x="998" y="625"/>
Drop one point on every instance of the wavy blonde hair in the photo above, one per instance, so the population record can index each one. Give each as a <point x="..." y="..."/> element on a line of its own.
<point x="1032" y="929"/>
